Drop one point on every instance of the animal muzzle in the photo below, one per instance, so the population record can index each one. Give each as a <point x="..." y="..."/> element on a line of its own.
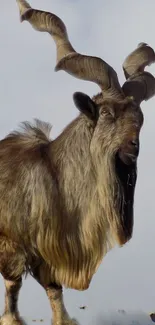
<point x="129" y="153"/>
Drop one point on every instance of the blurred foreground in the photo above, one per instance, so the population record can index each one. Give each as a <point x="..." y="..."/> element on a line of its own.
<point x="120" y="317"/>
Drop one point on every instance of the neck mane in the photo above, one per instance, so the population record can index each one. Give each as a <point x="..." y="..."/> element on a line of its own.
<point x="95" y="204"/>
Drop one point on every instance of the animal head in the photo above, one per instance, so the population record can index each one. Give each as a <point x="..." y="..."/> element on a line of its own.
<point x="115" y="113"/>
<point x="117" y="124"/>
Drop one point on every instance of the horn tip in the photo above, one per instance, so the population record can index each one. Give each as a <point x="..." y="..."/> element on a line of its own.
<point x="141" y="44"/>
<point x="24" y="8"/>
<point x="22" y="18"/>
<point x="56" y="68"/>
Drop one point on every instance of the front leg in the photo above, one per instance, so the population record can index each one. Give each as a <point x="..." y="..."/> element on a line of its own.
<point x="11" y="315"/>
<point x="54" y="292"/>
<point x="60" y="315"/>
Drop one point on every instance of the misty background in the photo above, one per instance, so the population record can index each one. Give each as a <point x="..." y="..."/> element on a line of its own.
<point x="30" y="88"/>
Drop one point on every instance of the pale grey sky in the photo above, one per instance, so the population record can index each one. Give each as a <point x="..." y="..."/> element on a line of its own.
<point x="30" y="88"/>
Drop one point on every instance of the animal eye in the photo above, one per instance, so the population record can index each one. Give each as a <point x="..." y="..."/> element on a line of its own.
<point x="104" y="112"/>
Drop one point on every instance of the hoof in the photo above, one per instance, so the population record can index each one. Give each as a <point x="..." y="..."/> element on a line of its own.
<point x="9" y="320"/>
<point x="72" y="321"/>
<point x="66" y="321"/>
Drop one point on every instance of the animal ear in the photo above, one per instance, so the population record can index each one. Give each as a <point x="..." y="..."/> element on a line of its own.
<point x="85" y="104"/>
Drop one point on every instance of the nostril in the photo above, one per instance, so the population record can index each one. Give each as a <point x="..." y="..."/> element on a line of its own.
<point x="135" y="143"/>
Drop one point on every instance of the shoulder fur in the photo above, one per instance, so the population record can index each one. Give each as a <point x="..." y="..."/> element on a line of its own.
<point x="32" y="134"/>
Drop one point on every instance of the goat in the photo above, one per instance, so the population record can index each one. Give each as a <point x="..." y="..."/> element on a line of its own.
<point x="64" y="203"/>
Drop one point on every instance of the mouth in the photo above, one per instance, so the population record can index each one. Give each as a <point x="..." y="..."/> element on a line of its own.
<point x="132" y="157"/>
<point x="128" y="158"/>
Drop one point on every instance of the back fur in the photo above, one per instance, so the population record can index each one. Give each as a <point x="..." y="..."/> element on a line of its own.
<point x="32" y="134"/>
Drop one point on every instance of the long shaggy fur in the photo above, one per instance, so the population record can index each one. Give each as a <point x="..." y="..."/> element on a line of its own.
<point x="60" y="200"/>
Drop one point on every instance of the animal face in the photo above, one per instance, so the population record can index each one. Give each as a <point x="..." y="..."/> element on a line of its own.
<point x="117" y="125"/>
